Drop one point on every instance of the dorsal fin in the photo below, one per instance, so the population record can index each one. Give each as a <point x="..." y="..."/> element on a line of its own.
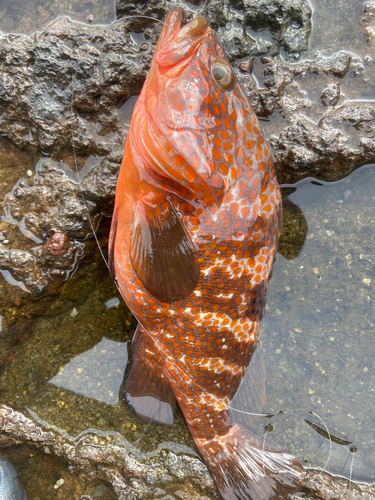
<point x="162" y="253"/>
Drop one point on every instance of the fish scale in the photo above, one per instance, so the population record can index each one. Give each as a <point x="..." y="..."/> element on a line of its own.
<point x="193" y="239"/>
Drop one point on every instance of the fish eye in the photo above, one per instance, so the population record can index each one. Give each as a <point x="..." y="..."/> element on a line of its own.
<point x="222" y="73"/>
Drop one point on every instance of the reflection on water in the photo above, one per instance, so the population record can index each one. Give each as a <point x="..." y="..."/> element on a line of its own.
<point x="96" y="373"/>
<point x="317" y="333"/>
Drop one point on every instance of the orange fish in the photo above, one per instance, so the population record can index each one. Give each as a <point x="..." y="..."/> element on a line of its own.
<point x="193" y="239"/>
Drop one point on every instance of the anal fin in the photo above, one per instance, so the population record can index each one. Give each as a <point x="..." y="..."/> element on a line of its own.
<point x="250" y="397"/>
<point x="147" y="391"/>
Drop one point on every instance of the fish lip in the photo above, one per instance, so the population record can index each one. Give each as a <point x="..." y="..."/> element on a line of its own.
<point x="193" y="28"/>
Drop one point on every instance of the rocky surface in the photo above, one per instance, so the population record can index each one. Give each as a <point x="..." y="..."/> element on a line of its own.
<point x="240" y="23"/>
<point x="108" y="457"/>
<point x="69" y="80"/>
<point x="342" y="140"/>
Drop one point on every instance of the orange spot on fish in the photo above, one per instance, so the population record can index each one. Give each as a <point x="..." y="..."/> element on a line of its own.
<point x="227" y="123"/>
<point x="223" y="107"/>
<point x="228" y="158"/>
<point x="216" y="154"/>
<point x="216" y="180"/>
<point x="245" y="212"/>
<point x="240" y="153"/>
<point x="217" y="142"/>
<point x="256" y="182"/>
<point x="262" y="167"/>
<point x="195" y="162"/>
<point x="233" y="173"/>
<point x="223" y="169"/>
<point x="247" y="163"/>
<point x="216" y="110"/>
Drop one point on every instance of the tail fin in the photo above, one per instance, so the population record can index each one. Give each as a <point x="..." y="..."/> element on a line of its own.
<point x="245" y="468"/>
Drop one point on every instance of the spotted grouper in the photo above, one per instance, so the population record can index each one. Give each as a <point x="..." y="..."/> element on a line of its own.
<point x="193" y="239"/>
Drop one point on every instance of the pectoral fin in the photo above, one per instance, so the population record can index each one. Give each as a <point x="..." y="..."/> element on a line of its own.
<point x="162" y="253"/>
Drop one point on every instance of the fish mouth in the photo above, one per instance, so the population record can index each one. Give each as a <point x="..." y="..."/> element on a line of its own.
<point x="193" y="28"/>
<point x="175" y="42"/>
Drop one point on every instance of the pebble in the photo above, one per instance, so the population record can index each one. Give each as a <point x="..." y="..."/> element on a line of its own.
<point x="59" y="483"/>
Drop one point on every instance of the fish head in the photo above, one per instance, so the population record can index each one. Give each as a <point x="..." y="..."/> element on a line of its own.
<point x="197" y="105"/>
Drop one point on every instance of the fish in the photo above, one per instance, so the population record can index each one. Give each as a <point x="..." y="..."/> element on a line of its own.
<point x="194" y="234"/>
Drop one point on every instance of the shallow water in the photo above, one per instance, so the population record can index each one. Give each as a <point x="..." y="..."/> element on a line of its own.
<point x="317" y="331"/>
<point x="337" y="25"/>
<point x="316" y="335"/>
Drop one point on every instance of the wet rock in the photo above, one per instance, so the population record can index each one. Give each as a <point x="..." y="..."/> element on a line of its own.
<point x="325" y="487"/>
<point x="130" y="473"/>
<point x="245" y="26"/>
<point x="68" y="80"/>
<point x="261" y="27"/>
<point x="368" y="20"/>
<point x="282" y="82"/>
<point x="330" y="95"/>
<point x="51" y="212"/>
<point x="342" y="140"/>
<point x="58" y="213"/>
<point x="99" y="185"/>
<point x="58" y="243"/>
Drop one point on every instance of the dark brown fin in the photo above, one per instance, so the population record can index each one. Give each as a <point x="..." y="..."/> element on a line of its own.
<point x="251" y="394"/>
<point x="244" y="467"/>
<point x="147" y="391"/>
<point x="162" y="253"/>
<point x="111" y="244"/>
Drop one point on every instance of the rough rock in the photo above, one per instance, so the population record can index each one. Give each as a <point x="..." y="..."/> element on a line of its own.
<point x="342" y="140"/>
<point x="69" y="80"/>
<point x="242" y="24"/>
<point x="131" y="473"/>
<point x="134" y="475"/>
<point x="368" y="21"/>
